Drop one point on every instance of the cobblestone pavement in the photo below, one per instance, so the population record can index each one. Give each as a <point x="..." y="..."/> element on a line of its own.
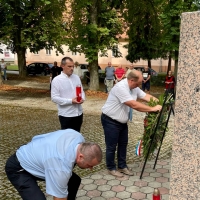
<point x="19" y="123"/>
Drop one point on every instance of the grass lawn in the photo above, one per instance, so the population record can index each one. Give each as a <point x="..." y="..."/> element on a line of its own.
<point x="12" y="67"/>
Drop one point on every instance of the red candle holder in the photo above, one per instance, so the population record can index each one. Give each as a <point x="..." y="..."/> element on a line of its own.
<point x="78" y="93"/>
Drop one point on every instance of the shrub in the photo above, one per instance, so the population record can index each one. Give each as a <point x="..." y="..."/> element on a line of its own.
<point x="158" y="80"/>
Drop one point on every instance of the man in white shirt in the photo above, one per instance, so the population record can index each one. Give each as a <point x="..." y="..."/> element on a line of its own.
<point x="63" y="93"/>
<point x="114" y="118"/>
<point x="77" y="70"/>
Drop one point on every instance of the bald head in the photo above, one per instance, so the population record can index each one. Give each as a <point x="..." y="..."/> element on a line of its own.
<point x="135" y="75"/>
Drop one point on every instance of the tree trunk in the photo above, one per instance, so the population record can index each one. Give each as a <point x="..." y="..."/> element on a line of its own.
<point x="149" y="63"/>
<point x="93" y="40"/>
<point x="169" y="62"/>
<point x="21" y="62"/>
<point x="94" y="76"/>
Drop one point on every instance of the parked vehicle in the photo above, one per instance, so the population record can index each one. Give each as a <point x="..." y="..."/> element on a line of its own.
<point x="39" y="68"/>
<point x="100" y="71"/>
<point x="141" y="68"/>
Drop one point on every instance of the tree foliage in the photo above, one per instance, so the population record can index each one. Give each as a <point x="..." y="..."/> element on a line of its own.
<point x="33" y="24"/>
<point x="93" y="29"/>
<point x="144" y="30"/>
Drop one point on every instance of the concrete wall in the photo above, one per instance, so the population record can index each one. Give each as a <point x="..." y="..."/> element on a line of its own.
<point x="185" y="164"/>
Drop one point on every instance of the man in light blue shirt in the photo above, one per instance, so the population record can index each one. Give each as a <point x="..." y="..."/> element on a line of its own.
<point x="51" y="157"/>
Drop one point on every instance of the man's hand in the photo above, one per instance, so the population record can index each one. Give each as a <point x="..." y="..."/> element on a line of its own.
<point x="156" y="108"/>
<point x="74" y="101"/>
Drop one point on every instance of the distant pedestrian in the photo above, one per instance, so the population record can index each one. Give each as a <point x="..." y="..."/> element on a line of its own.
<point x="129" y="69"/>
<point x="146" y="80"/>
<point x="119" y="73"/>
<point x="4" y="69"/>
<point x="170" y="83"/>
<point x="63" y="93"/>
<point x="110" y="76"/>
<point x="77" y="70"/>
<point x="55" y="71"/>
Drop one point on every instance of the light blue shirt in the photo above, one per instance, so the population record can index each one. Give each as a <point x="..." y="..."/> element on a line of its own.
<point x="52" y="157"/>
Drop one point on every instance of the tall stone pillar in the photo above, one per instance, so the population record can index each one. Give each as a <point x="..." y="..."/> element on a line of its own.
<point x="185" y="163"/>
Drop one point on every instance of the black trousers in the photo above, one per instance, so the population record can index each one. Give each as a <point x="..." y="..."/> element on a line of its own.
<point x="26" y="184"/>
<point x="71" y="122"/>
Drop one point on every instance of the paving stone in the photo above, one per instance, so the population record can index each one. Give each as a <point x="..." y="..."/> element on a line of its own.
<point x="143" y="175"/>
<point x="147" y="190"/>
<point x="140" y="183"/>
<point x="149" y="170"/>
<point x="138" y="195"/>
<point x="118" y="188"/>
<point x="132" y="189"/>
<point x="134" y="178"/>
<point x="104" y="187"/>
<point x="135" y="165"/>
<point x="83" y="198"/>
<point x="108" y="194"/>
<point x="123" y="178"/>
<point x="87" y="181"/>
<point x="96" y="176"/>
<point x="162" y="179"/>
<point x="167" y="175"/>
<point x="81" y="193"/>
<point x="108" y="177"/>
<point x="123" y="195"/>
<point x="165" y="197"/>
<point x="154" y="184"/>
<point x="113" y="182"/>
<point x="155" y="174"/>
<point x="90" y="187"/>
<point x="163" y="190"/>
<point x="158" y="166"/>
<point x="167" y="167"/>
<point x="93" y="193"/>
<point x="148" y="179"/>
<point x="100" y="182"/>
<point x="114" y="198"/>
<point x="166" y="185"/>
<point x="127" y="183"/>
<point x="80" y="186"/>
<point x="162" y="171"/>
<point x="162" y="162"/>
<point x="98" y="198"/>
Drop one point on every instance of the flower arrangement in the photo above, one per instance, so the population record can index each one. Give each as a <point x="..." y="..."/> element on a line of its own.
<point x="150" y="122"/>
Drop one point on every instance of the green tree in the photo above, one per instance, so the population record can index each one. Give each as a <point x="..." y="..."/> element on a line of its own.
<point x="92" y="30"/>
<point x="33" y="24"/>
<point x="144" y="30"/>
<point x="171" y="18"/>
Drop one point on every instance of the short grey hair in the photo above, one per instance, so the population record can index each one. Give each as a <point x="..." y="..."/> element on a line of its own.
<point x="63" y="61"/>
<point x="91" y="150"/>
<point x="133" y="75"/>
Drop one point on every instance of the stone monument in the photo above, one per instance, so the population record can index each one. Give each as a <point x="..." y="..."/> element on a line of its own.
<point x="185" y="163"/>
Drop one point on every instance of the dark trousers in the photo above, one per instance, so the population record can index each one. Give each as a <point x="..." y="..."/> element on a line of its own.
<point x="26" y="184"/>
<point x="116" y="135"/>
<point x="71" y="122"/>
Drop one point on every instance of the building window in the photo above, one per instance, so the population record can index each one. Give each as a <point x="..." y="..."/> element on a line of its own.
<point x="48" y="51"/>
<point x="74" y="53"/>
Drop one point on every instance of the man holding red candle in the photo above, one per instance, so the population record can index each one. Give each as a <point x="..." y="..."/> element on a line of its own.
<point x="67" y="92"/>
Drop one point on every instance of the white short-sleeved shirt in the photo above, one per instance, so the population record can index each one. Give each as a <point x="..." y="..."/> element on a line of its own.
<point x="120" y="93"/>
<point x="52" y="157"/>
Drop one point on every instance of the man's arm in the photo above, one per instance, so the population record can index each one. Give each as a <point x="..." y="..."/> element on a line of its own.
<point x="56" y="198"/>
<point x="142" y="107"/>
<point x="148" y="97"/>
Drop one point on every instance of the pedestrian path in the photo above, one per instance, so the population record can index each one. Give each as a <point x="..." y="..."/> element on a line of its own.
<point x="103" y="186"/>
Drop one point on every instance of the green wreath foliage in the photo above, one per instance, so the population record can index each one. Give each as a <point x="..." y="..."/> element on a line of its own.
<point x="150" y="121"/>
